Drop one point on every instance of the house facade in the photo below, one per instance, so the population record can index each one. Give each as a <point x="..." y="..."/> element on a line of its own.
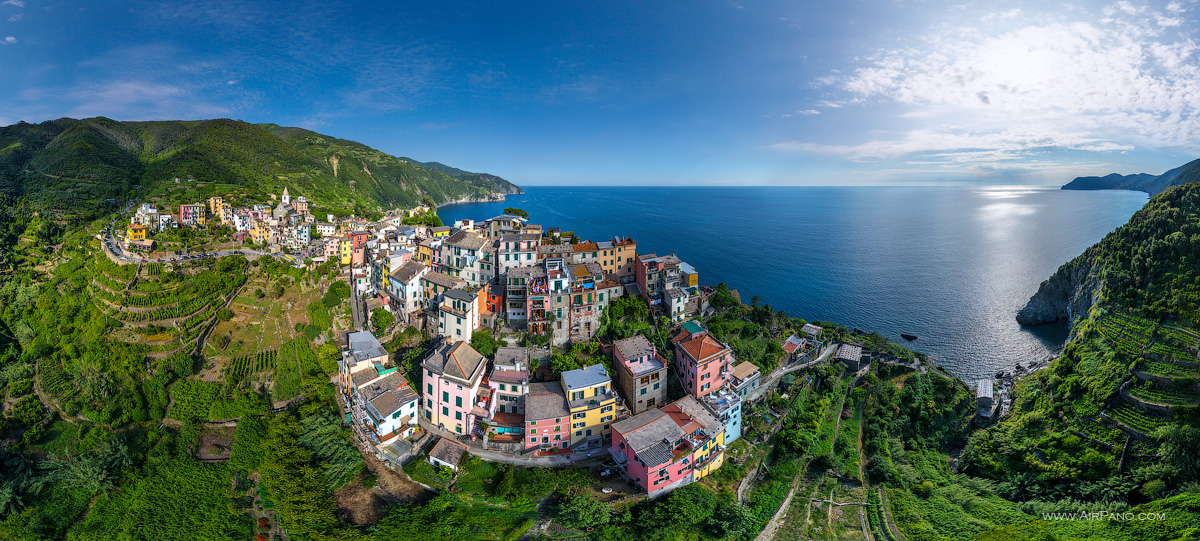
<point x="547" y="419"/>
<point x="592" y="404"/>
<point x="703" y="362"/>
<point x="641" y="373"/>
<point x="453" y="374"/>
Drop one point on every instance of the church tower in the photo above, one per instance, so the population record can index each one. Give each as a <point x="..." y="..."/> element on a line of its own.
<point x="287" y="199"/>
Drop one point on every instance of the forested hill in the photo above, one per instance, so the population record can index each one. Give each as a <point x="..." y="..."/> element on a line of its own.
<point x="69" y="167"/>
<point x="1143" y="182"/>
<point x="1114" y="419"/>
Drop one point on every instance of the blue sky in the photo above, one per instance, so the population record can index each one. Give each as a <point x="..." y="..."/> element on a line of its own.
<point x="693" y="92"/>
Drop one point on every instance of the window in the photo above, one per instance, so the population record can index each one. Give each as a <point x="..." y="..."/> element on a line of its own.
<point x="429" y="402"/>
<point x="557" y="437"/>
<point x="458" y="401"/>
<point x="705" y="386"/>
<point x="532" y="431"/>
<point x="445" y="396"/>
<point x="656" y="386"/>
<point x="578" y="432"/>
<point x="445" y="410"/>
<point x="558" y="419"/>
<point x="643" y="391"/>
<point x="458" y="415"/>
<point x="606" y="409"/>
<point x="502" y="387"/>
<point x="578" y="425"/>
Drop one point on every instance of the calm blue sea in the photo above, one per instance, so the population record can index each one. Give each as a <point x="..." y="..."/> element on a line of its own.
<point x="952" y="265"/>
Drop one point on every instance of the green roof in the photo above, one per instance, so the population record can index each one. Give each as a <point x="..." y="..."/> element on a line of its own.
<point x="692" y="327"/>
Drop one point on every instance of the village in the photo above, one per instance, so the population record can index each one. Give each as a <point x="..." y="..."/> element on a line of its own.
<point x="538" y="290"/>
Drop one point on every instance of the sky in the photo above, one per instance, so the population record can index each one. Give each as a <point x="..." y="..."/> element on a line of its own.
<point x="695" y="92"/>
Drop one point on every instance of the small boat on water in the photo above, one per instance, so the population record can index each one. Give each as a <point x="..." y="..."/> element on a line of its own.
<point x="909" y="337"/>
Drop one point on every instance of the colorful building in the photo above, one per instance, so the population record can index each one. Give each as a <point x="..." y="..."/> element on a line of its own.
<point x="547" y="419"/>
<point x="592" y="404"/>
<point x="192" y="214"/>
<point x="641" y="373"/>
<point x="665" y="448"/>
<point x="703" y="362"/>
<point x="453" y="375"/>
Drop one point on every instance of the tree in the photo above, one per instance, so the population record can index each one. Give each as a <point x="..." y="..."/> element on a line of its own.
<point x="516" y="212"/>
<point x="730" y="520"/>
<point x="483" y="342"/>
<point x="721" y="298"/>
<point x="581" y="511"/>
<point x="1180" y="449"/>
<point x="382" y="319"/>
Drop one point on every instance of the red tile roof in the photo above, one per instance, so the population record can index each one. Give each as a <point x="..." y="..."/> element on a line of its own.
<point x="701" y="347"/>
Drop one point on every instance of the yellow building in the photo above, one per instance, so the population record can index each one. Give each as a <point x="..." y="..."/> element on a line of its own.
<point x="425" y="252"/>
<point x="346" y="251"/>
<point x="136" y="232"/>
<point x="220" y="210"/>
<point x="592" y="404"/>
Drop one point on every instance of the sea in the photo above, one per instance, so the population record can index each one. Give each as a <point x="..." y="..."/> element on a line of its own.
<point x="951" y="265"/>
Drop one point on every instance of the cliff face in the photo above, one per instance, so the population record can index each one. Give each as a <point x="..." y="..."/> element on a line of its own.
<point x="1070" y="293"/>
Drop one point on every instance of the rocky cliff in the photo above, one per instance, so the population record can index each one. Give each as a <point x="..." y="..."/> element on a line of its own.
<point x="1068" y="294"/>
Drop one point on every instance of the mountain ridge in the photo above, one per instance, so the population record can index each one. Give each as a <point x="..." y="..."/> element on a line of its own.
<point x="1142" y="182"/>
<point x="70" y="167"/>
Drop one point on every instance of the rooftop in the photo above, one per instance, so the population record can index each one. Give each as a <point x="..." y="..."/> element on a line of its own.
<point x="691" y="415"/>
<point x="364" y="346"/>
<point x="849" y="352"/>
<point x="651" y="434"/>
<point x="700" y="347"/>
<point x="448" y="451"/>
<point x="392" y="400"/>
<point x="408" y="271"/>
<point x="588" y="376"/>
<point x="810" y="329"/>
<point x="441" y="279"/>
<point x="457" y="360"/>
<point x="545" y="401"/>
<point x="744" y="370"/>
<point x="527" y="272"/>
<point x="512" y="356"/>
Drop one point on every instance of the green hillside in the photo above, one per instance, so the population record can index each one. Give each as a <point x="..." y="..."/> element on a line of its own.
<point x="1113" y="419"/>
<point x="69" y="167"/>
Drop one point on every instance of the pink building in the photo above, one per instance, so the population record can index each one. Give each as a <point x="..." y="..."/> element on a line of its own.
<point x="452" y="388"/>
<point x="660" y="447"/>
<point x="703" y="362"/>
<point x="547" y="419"/>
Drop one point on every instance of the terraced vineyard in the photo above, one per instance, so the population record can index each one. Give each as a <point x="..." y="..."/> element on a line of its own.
<point x="1106" y="434"/>
<point x="1162" y="395"/>
<point x="296" y="358"/>
<point x="1170" y="370"/>
<point x="244" y="366"/>
<point x="1127" y="334"/>
<point x="1134" y="418"/>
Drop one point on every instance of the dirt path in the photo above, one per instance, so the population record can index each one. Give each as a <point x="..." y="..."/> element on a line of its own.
<point x="768" y="531"/>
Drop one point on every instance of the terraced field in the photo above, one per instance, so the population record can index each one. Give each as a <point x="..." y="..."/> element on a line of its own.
<point x="1134" y="418"/>
<point x="1163" y="395"/>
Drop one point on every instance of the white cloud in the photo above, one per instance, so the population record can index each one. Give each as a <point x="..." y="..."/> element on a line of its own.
<point x="140" y="100"/>
<point x="14" y="18"/>
<point x="808" y="112"/>
<point x="1128" y="81"/>
<point x="10" y="40"/>
<point x="16" y="3"/>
